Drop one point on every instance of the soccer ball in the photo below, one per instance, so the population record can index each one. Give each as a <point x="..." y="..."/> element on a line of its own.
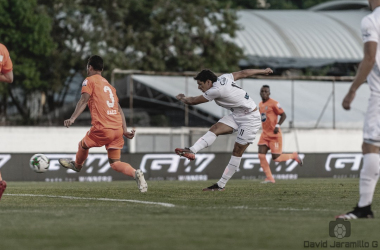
<point x="39" y="163"/>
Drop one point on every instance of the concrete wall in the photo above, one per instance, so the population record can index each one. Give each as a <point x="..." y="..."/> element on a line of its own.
<point x="150" y="140"/>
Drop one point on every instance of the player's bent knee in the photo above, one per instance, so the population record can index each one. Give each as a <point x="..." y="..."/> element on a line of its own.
<point x="275" y="156"/>
<point x="112" y="161"/>
<point x="239" y="149"/>
<point x="237" y="154"/>
<point x="262" y="157"/>
<point x="215" y="129"/>
<point x="83" y="145"/>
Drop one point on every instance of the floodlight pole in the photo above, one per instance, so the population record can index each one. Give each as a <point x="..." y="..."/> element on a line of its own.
<point x="131" y="100"/>
<point x="186" y="106"/>
<point x="333" y="102"/>
<point x="292" y="124"/>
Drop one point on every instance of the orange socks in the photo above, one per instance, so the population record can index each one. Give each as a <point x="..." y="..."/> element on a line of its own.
<point x="265" y="166"/>
<point x="81" y="156"/>
<point x="284" y="157"/>
<point x="124" y="168"/>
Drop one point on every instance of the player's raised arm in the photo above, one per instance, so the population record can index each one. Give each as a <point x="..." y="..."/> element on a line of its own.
<point x="191" y="100"/>
<point x="81" y="105"/>
<point x="250" y="72"/>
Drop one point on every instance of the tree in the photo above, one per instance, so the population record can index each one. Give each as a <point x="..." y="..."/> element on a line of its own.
<point x="163" y="35"/>
<point x="148" y="35"/>
<point x="273" y="4"/>
<point x="25" y="31"/>
<point x="180" y="35"/>
<point x="51" y="40"/>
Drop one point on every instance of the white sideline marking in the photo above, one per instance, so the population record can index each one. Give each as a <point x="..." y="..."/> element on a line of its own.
<point x="282" y="208"/>
<point x="96" y="199"/>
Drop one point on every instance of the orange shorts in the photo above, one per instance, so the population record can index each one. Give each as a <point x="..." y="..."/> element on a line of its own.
<point x="273" y="143"/>
<point x="111" y="138"/>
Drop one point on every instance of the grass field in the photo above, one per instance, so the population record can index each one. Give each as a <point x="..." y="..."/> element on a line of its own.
<point x="247" y="215"/>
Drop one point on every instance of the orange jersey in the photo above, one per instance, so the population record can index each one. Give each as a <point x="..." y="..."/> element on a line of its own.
<point x="103" y="103"/>
<point x="5" y="60"/>
<point x="270" y="110"/>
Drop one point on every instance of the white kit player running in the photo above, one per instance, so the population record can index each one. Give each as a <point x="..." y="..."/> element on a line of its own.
<point x="244" y="119"/>
<point x="368" y="68"/>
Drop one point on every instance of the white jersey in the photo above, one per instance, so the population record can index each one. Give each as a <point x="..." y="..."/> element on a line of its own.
<point x="228" y="95"/>
<point x="370" y="28"/>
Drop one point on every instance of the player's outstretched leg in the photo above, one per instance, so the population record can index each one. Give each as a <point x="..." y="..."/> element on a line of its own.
<point x="70" y="164"/>
<point x="185" y="152"/>
<point x="205" y="141"/>
<point x="214" y="187"/>
<point x="265" y="166"/>
<point x="232" y="167"/>
<point x="358" y="213"/>
<point x="80" y="157"/>
<point x="285" y="157"/>
<point x="128" y="170"/>
<point x="3" y="186"/>
<point x="140" y="180"/>
<point x="369" y="175"/>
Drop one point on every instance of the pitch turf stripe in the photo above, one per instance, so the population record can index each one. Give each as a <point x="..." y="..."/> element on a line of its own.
<point x="283" y="209"/>
<point x="96" y="199"/>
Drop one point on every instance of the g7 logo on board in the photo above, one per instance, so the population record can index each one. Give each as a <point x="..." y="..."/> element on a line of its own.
<point x="251" y="160"/>
<point x="156" y="162"/>
<point x="4" y="158"/>
<point x="343" y="160"/>
<point x="89" y="163"/>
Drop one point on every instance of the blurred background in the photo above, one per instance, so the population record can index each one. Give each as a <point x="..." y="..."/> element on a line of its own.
<point x="153" y="49"/>
<point x="50" y="42"/>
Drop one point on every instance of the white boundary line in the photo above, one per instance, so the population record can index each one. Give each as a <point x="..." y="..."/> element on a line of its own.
<point x="96" y="199"/>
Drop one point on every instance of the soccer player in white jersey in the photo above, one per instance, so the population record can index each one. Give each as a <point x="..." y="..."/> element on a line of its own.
<point x="368" y="68"/>
<point x="244" y="119"/>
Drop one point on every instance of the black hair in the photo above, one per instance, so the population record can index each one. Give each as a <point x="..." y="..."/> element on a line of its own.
<point x="265" y="86"/>
<point x="96" y="62"/>
<point x="205" y="75"/>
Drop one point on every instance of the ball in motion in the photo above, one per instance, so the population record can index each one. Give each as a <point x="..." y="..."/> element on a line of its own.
<point x="39" y="163"/>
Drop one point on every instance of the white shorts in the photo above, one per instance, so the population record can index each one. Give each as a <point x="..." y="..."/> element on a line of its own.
<point x="371" y="128"/>
<point x="246" y="125"/>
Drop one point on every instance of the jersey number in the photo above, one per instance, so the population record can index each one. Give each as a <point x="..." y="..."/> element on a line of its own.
<point x="112" y="103"/>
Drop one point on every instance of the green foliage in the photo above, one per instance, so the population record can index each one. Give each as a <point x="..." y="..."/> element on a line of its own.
<point x="148" y="35"/>
<point x="285" y="4"/>
<point x="311" y="3"/>
<point x="25" y="32"/>
<point x="51" y="40"/>
<point x="274" y="4"/>
<point x="141" y="34"/>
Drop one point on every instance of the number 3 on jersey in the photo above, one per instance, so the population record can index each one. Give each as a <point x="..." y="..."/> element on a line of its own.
<point x="112" y="103"/>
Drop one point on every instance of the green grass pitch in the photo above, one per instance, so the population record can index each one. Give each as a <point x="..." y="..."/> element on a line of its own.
<point x="247" y="215"/>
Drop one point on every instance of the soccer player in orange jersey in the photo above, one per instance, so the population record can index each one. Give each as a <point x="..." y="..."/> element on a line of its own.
<point x="6" y="75"/>
<point x="108" y="123"/>
<point x="271" y="137"/>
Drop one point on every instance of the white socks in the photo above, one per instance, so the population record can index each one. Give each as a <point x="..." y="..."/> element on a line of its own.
<point x="203" y="142"/>
<point x="231" y="168"/>
<point x="368" y="178"/>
